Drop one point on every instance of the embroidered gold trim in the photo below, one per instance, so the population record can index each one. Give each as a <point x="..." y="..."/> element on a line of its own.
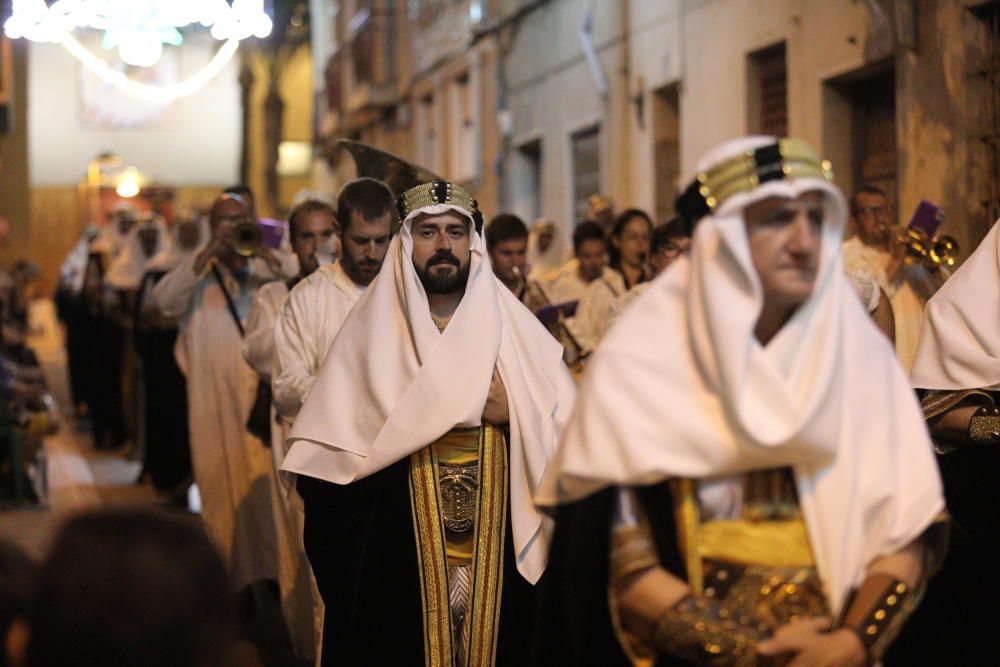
<point x="491" y="530"/>
<point x="431" y="557"/>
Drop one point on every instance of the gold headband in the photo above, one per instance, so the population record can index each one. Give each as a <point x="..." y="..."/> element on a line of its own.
<point x="786" y="159"/>
<point x="438" y="192"/>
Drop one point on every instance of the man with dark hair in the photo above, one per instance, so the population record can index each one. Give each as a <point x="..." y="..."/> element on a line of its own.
<point x="877" y="253"/>
<point x="414" y="516"/>
<point x="507" y="245"/>
<point x="317" y="306"/>
<point x="668" y="243"/>
<point x="312" y="227"/>
<point x="589" y="263"/>
<point x="131" y="587"/>
<point x="212" y="292"/>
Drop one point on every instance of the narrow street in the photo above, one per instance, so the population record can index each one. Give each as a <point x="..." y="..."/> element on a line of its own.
<point x="78" y="477"/>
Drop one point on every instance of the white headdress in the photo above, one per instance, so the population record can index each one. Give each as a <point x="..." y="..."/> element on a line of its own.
<point x="393" y="384"/>
<point x="681" y="387"/>
<point x="172" y="252"/>
<point x="959" y="345"/>
<point x="128" y="267"/>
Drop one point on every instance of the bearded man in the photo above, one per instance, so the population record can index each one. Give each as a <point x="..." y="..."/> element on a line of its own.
<point x="418" y="447"/>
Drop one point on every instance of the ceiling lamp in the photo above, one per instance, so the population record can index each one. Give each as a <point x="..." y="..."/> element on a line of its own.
<point x="139" y="29"/>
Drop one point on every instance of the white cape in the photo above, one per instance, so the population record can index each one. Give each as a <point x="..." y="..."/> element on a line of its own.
<point x="959" y="344"/>
<point x="680" y="387"/>
<point x="393" y="384"/>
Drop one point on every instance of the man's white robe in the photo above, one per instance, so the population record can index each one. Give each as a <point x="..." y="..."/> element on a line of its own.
<point x="908" y="293"/>
<point x="295" y="579"/>
<point x="231" y="466"/>
<point x="304" y="332"/>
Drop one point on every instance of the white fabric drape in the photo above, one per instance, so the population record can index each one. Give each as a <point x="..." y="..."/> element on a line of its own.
<point x="959" y="344"/>
<point x="680" y="387"/>
<point x="392" y="384"/>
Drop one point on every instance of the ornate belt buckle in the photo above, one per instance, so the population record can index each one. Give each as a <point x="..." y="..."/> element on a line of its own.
<point x="459" y="487"/>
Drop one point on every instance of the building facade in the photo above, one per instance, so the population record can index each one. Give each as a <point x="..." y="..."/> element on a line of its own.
<point x="537" y="104"/>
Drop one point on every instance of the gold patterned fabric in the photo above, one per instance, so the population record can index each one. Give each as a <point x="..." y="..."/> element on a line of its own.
<point x="755" y="572"/>
<point x="462" y="634"/>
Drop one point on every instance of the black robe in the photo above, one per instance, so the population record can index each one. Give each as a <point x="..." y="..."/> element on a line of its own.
<point x="574" y="625"/>
<point x="360" y="541"/>
<point x="954" y="623"/>
<point x="165" y="410"/>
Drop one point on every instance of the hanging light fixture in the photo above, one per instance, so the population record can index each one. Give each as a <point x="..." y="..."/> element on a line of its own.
<point x="138" y="29"/>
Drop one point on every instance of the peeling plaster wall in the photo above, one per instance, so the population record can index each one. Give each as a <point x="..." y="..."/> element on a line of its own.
<point x="934" y="98"/>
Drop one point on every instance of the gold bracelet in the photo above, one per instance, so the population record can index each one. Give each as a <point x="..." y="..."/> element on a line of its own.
<point x="705" y="632"/>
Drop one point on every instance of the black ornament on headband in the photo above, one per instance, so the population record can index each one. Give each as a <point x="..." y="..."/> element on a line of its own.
<point x="784" y="159"/>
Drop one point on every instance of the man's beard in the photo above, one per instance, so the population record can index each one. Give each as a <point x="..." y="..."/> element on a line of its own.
<point x="361" y="272"/>
<point x="443" y="284"/>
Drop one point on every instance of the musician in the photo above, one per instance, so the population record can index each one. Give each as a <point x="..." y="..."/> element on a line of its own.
<point x="880" y="249"/>
<point x="628" y="252"/>
<point x="211" y="292"/>
<point x="507" y="245"/>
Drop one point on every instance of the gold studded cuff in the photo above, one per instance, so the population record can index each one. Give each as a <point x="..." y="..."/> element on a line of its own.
<point x="703" y="631"/>
<point x="632" y="550"/>
<point x="984" y="427"/>
<point x="879" y="611"/>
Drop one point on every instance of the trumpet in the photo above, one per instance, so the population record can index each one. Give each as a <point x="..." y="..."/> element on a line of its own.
<point x="934" y="252"/>
<point x="247" y="238"/>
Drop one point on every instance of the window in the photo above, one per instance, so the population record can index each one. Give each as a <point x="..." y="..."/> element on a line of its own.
<point x="463" y="149"/>
<point x="767" y="84"/>
<point x="528" y="180"/>
<point x="586" y="165"/>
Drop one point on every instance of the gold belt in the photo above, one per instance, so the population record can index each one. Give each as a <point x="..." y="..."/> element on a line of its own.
<point x="459" y="486"/>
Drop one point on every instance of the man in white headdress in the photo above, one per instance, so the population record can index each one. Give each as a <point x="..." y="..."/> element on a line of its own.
<point x="309" y="320"/>
<point x="746" y="460"/>
<point x="211" y="292"/>
<point x="957" y="369"/>
<point x="545" y="254"/>
<point x="144" y="240"/>
<point x="111" y="239"/>
<point x="418" y="448"/>
<point x="312" y="229"/>
<point x="167" y="460"/>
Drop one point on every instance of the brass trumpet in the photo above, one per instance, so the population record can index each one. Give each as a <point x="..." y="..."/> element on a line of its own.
<point x="247" y="238"/>
<point x="934" y="252"/>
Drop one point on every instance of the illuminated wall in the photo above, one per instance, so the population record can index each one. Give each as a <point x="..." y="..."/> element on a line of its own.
<point x="193" y="141"/>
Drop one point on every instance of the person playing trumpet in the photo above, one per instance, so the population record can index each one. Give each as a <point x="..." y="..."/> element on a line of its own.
<point x="879" y="249"/>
